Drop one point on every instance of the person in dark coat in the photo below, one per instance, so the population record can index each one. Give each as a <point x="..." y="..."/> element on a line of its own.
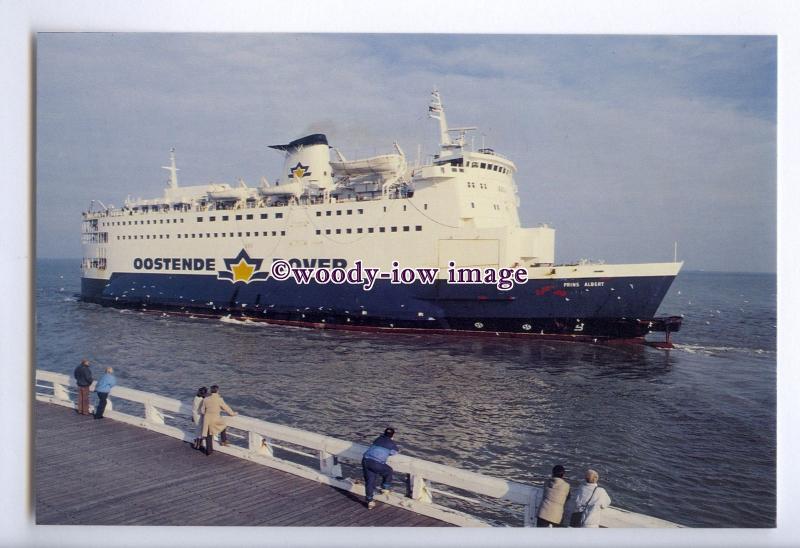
<point x="83" y="378"/>
<point x="374" y="464"/>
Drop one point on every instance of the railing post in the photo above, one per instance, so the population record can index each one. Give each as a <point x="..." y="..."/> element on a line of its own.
<point x="531" y="508"/>
<point x="151" y="414"/>
<point x="420" y="489"/>
<point x="329" y="465"/>
<point x="258" y="444"/>
<point x="60" y="392"/>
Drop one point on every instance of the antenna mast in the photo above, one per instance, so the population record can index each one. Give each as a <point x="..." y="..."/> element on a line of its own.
<point x="436" y="111"/>
<point x="173" y="170"/>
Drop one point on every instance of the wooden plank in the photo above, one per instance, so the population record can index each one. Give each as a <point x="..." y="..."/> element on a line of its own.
<point x="106" y="472"/>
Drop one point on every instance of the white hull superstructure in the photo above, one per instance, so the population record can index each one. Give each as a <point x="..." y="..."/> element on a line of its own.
<point x="209" y="248"/>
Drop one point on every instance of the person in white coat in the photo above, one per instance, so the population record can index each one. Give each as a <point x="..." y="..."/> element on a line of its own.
<point x="197" y="416"/>
<point x="590" y="499"/>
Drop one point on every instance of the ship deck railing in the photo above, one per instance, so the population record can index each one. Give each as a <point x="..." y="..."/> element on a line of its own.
<point x="336" y="462"/>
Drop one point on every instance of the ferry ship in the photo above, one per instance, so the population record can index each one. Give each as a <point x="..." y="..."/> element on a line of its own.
<point x="208" y="249"/>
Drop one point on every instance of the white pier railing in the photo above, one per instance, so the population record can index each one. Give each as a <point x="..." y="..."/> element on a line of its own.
<point x="261" y="439"/>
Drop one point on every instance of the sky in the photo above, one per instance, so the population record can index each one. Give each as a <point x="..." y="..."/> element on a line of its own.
<point x="623" y="144"/>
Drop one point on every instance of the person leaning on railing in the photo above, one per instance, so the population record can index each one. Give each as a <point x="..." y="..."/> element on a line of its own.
<point x="103" y="387"/>
<point x="590" y="501"/>
<point x="554" y="495"/>
<point x="213" y="423"/>
<point x="374" y="464"/>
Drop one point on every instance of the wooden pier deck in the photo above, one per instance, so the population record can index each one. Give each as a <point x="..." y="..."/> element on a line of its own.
<point x="104" y="472"/>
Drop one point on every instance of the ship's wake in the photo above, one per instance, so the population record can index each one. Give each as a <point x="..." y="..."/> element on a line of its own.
<point x="718" y="350"/>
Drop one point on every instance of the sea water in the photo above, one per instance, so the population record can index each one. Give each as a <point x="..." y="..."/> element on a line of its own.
<point x="687" y="435"/>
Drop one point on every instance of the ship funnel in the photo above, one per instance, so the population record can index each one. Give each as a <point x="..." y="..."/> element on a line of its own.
<point x="307" y="161"/>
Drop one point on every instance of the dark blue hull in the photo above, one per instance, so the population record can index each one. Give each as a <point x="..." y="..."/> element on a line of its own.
<point x="597" y="310"/>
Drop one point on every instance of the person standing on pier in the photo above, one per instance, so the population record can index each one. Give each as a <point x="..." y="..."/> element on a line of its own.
<point x="83" y="378"/>
<point x="104" y="386"/>
<point x="555" y="494"/>
<point x="213" y="423"/>
<point x="590" y="501"/>
<point x="197" y="416"/>
<point x="374" y="464"/>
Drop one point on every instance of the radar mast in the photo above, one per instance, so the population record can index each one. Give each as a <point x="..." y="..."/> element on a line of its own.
<point x="173" y="170"/>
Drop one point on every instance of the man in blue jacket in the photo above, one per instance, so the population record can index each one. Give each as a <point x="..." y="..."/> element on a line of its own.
<point x="103" y="387"/>
<point x="374" y="464"/>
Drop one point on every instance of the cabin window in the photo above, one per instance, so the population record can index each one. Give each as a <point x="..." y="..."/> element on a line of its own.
<point x="404" y="208"/>
<point x="483" y="165"/>
<point x="264" y="215"/>
<point x="349" y="230"/>
<point x="338" y="231"/>
<point x="349" y="211"/>
<point x="338" y="211"/>
<point x="238" y="217"/>
<point x="319" y="232"/>
<point x="224" y="217"/>
<point x="199" y="220"/>
<point x="327" y="231"/>
<point x="192" y="235"/>
<point x="327" y="213"/>
<point x="212" y="219"/>
<point x="394" y="229"/>
<point x="247" y="234"/>
<point x="283" y="233"/>
<point x="181" y="220"/>
<point x="231" y="234"/>
<point x="200" y="235"/>
<point x="216" y="234"/>
<point x="239" y="234"/>
<point x="370" y="230"/>
<point x="406" y="229"/>
<point x="319" y="214"/>
<point x="418" y="228"/>
<point x="250" y="217"/>
<point x="359" y="230"/>
<point x="472" y="204"/>
<point x="360" y="211"/>
<point x="382" y="229"/>
<point x="279" y="215"/>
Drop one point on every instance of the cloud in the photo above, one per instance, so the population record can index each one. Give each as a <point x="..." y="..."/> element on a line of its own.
<point x="624" y="143"/>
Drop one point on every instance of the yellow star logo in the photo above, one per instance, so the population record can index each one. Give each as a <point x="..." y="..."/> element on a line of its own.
<point x="242" y="271"/>
<point x="299" y="172"/>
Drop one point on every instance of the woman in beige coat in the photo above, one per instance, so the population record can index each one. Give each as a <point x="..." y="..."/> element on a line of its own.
<point x="555" y="493"/>
<point x="213" y="423"/>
